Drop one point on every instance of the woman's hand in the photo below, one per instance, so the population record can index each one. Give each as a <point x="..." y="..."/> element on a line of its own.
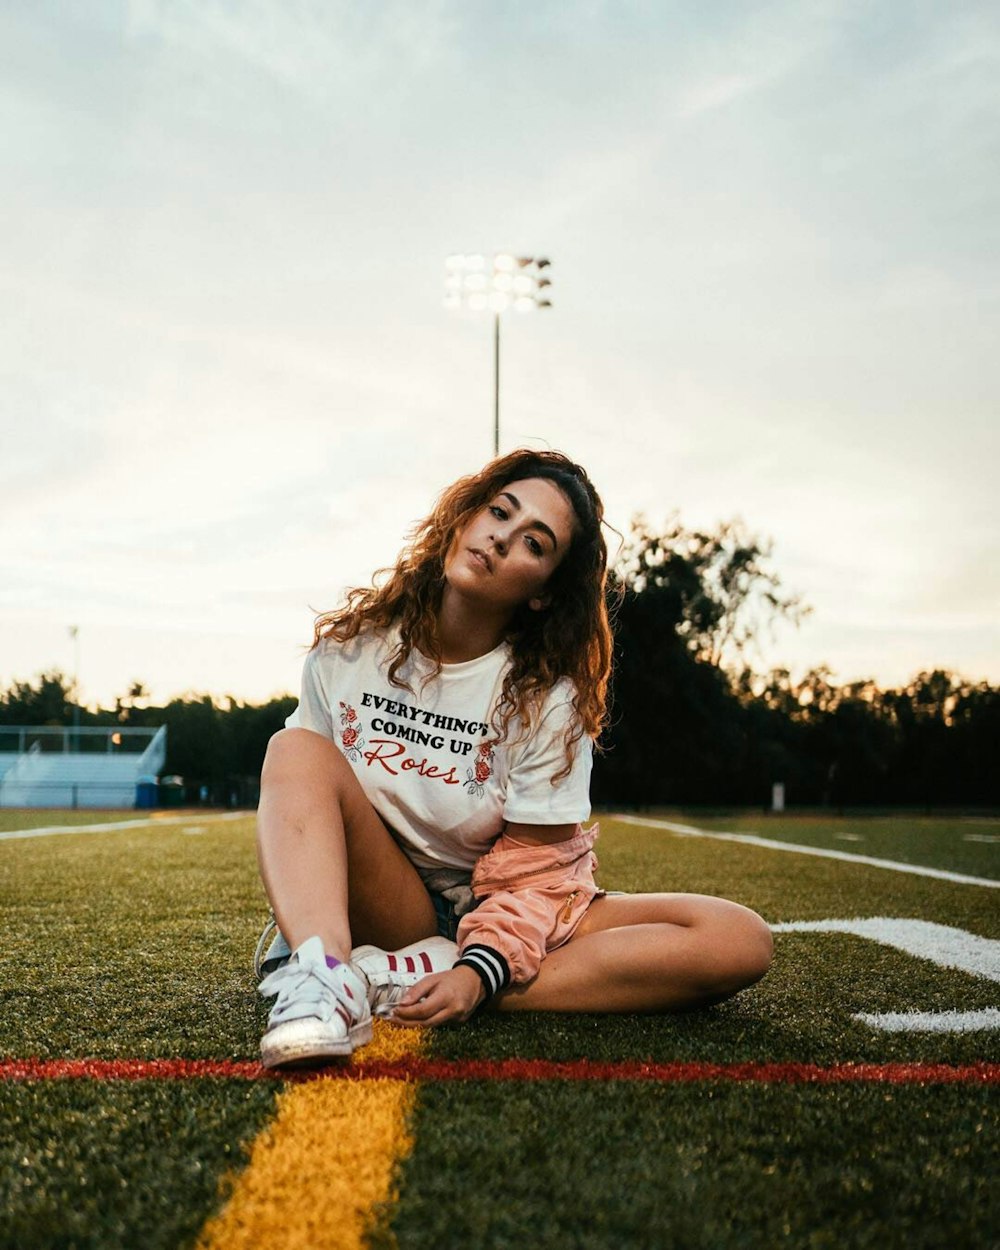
<point x="441" y="998"/>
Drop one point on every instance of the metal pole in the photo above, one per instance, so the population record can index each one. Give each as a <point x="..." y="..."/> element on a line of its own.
<point x="75" y="631"/>
<point x="496" y="384"/>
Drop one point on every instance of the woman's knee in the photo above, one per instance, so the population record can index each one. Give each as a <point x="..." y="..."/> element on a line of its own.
<point x="749" y="948"/>
<point x="293" y="751"/>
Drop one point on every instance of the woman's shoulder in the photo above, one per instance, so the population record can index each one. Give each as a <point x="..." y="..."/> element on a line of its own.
<point x="368" y="644"/>
<point x="554" y="709"/>
<point x="561" y="694"/>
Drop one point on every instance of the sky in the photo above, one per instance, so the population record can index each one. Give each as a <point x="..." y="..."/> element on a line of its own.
<point x="228" y="384"/>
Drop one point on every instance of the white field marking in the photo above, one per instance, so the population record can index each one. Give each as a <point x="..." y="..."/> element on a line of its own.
<point x="849" y="837"/>
<point x="751" y="839"/>
<point x="981" y="837"/>
<point x="933" y="1021"/>
<point x="111" y="825"/>
<point x="939" y="943"/>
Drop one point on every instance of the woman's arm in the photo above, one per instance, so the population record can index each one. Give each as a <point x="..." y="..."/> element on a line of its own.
<point x="539" y="835"/>
<point x="507" y="936"/>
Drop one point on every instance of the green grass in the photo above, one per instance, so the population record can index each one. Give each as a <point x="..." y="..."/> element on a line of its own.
<point x="709" y="1166"/>
<point x="137" y="944"/>
<point x="132" y="1164"/>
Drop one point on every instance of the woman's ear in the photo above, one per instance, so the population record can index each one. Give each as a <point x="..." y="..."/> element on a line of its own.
<point x="537" y="605"/>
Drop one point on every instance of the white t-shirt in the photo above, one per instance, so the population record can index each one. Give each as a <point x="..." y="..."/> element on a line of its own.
<point x="424" y="758"/>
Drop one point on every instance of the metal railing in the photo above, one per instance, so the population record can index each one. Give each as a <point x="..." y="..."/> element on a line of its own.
<point x="80" y="794"/>
<point x="44" y="766"/>
<point x="99" y="740"/>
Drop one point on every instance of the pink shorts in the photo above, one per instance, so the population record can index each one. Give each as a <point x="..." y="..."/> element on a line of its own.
<point x="532" y="898"/>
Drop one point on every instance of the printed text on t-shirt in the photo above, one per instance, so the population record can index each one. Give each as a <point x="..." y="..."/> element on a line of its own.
<point x="431" y="720"/>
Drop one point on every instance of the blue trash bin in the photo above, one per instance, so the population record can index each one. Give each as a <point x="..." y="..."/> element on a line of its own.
<point x="145" y="792"/>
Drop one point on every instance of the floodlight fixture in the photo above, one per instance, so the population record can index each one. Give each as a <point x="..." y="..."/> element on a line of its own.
<point x="505" y="281"/>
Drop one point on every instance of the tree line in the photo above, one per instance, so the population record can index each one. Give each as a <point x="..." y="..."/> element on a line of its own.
<point x="693" y="720"/>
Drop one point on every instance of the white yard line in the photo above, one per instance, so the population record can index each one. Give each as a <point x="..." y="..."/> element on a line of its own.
<point x="110" y="825"/>
<point x="940" y="943"/>
<point x="932" y="1021"/>
<point x="751" y="839"/>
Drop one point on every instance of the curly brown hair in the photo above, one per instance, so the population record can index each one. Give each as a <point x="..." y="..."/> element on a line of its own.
<point x="571" y="637"/>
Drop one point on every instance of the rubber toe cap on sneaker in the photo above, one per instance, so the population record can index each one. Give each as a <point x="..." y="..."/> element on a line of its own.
<point x="311" y="1041"/>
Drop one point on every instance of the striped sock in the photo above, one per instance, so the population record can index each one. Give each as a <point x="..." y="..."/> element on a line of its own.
<point x="490" y="966"/>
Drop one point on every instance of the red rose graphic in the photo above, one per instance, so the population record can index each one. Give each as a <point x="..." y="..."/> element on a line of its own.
<point x="482" y="771"/>
<point x="350" y="713"/>
<point x="349" y="736"/>
<point x="485" y="749"/>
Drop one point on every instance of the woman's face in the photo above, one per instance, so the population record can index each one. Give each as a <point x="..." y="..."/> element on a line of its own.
<point x="506" y="554"/>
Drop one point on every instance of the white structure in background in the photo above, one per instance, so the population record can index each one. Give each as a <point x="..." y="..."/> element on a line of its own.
<point x="493" y="285"/>
<point x="42" y="766"/>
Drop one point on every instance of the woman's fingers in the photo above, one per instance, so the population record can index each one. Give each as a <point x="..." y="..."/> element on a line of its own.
<point x="420" y="991"/>
<point x="440" y="998"/>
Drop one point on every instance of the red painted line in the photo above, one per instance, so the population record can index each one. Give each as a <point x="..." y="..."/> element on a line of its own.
<point x="418" y="1069"/>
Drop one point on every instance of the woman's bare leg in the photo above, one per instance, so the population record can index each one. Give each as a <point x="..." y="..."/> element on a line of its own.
<point x="649" y="952"/>
<point x="329" y="865"/>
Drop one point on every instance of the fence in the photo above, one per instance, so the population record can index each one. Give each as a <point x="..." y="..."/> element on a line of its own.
<point x="48" y="739"/>
<point x="42" y="766"/>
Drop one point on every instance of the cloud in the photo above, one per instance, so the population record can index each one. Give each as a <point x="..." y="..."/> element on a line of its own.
<point x="311" y="48"/>
<point x="716" y="92"/>
<point x="230" y="381"/>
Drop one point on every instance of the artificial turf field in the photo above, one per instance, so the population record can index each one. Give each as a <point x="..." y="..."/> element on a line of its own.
<point x="777" y="1119"/>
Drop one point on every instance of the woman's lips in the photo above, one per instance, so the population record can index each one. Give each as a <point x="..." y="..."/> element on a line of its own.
<point x="481" y="558"/>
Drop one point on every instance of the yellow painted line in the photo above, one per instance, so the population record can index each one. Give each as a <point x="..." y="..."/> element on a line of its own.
<point x="320" y="1171"/>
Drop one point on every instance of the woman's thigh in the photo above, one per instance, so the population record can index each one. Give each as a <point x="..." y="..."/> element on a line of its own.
<point x="308" y="776"/>
<point x="649" y="952"/>
<point x="612" y="911"/>
<point x="388" y="903"/>
<point x="724" y="939"/>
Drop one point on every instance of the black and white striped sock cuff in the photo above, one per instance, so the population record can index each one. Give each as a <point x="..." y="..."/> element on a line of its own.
<point x="491" y="967"/>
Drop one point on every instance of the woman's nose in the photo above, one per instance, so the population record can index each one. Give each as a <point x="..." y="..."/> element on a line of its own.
<point x="500" y="542"/>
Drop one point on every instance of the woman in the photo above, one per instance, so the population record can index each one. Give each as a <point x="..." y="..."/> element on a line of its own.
<point x="432" y="782"/>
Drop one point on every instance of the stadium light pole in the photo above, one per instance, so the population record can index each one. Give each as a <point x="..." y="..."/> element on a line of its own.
<point x="482" y="284"/>
<point x="74" y="633"/>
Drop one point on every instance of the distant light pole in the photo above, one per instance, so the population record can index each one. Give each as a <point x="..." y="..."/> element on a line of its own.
<point x="74" y="633"/>
<point x="480" y="284"/>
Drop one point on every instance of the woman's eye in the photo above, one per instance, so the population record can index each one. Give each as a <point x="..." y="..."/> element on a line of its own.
<point x="533" y="545"/>
<point x="498" y="512"/>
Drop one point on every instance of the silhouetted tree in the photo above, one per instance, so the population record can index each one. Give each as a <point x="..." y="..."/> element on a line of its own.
<point x="719" y="589"/>
<point x="47" y="702"/>
<point x="692" y="604"/>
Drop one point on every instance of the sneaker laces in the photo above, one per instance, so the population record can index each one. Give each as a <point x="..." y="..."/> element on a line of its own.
<point x="389" y="992"/>
<point x="306" y="989"/>
<point x="258" y="955"/>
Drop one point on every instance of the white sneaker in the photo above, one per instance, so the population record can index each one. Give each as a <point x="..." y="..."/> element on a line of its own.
<point x="321" y="1013"/>
<point x="389" y="974"/>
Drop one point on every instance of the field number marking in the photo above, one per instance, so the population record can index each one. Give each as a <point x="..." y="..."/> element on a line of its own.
<point x="941" y="944"/>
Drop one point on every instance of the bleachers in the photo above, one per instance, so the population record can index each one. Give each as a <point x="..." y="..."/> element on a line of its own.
<point x="78" y="767"/>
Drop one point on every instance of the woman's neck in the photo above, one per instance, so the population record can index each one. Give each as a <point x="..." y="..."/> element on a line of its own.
<point x="464" y="631"/>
